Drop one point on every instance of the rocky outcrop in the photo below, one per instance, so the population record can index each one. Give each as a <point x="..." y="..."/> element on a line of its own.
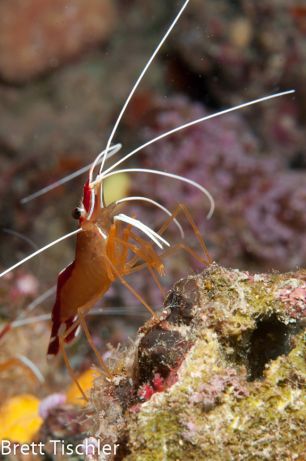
<point x="219" y="375"/>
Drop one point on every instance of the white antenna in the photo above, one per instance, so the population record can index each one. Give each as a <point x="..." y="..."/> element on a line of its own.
<point x="107" y="153"/>
<point x="157" y="204"/>
<point x="34" y="368"/>
<point x="32" y="255"/>
<point x="194" y="122"/>
<point x="140" y="78"/>
<point x="148" y="143"/>
<point x="168" y="175"/>
<point x="156" y="238"/>
<point x="112" y="151"/>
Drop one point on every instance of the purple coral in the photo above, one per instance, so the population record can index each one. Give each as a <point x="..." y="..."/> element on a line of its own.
<point x="259" y="215"/>
<point x="275" y="219"/>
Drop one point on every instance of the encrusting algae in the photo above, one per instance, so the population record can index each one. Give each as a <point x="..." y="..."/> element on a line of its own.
<point x="219" y="376"/>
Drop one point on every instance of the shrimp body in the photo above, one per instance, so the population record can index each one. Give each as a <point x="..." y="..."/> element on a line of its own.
<point x="79" y="285"/>
<point x="100" y="257"/>
<point x="87" y="278"/>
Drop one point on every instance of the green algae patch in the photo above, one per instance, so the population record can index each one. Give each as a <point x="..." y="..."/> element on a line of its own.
<point x="218" y="376"/>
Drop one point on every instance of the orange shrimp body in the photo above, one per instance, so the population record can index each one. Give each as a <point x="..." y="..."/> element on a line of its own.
<point x="86" y="279"/>
<point x="100" y="257"/>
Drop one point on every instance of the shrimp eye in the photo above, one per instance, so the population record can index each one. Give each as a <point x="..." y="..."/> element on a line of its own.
<point x="77" y="213"/>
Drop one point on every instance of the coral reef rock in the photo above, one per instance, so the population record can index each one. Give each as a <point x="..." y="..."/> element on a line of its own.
<point x="37" y="36"/>
<point x="219" y="374"/>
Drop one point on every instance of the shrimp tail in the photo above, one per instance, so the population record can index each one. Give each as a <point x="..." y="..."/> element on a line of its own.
<point x="59" y="326"/>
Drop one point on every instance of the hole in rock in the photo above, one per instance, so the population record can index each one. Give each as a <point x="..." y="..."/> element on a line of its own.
<point x="270" y="340"/>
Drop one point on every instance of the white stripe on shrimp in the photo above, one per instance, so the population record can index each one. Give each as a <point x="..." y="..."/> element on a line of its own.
<point x="156" y="238"/>
<point x="149" y="200"/>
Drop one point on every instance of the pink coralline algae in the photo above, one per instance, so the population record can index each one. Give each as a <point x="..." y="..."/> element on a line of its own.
<point x="209" y="394"/>
<point x="145" y="392"/>
<point x="259" y="218"/>
<point x="295" y="300"/>
<point x="275" y="218"/>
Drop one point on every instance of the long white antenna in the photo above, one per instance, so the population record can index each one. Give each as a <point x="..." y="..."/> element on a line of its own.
<point x="107" y="153"/>
<point x="32" y="255"/>
<point x="194" y="122"/>
<point x="157" y="204"/>
<point x="34" y="368"/>
<point x="148" y="143"/>
<point x="112" y="151"/>
<point x="39" y="300"/>
<point x="168" y="175"/>
<point x="20" y="236"/>
<point x="28" y="320"/>
<point x="140" y="78"/>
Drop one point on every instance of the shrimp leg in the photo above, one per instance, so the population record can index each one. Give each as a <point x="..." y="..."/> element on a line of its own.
<point x="184" y="210"/>
<point x="80" y="321"/>
<point x="181" y="208"/>
<point x="128" y="286"/>
<point x="69" y="367"/>
<point x="81" y="314"/>
<point x="169" y="252"/>
<point x="130" y="267"/>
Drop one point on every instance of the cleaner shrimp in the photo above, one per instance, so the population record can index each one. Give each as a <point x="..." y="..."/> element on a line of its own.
<point x="108" y="244"/>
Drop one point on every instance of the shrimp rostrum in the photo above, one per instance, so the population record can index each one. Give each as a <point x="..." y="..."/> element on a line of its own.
<point x="110" y="243"/>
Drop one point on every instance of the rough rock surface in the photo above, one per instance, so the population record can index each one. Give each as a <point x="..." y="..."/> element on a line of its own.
<point x="36" y="36"/>
<point x="219" y="375"/>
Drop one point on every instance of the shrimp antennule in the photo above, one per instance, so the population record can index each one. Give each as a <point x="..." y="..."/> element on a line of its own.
<point x="26" y="363"/>
<point x="107" y="153"/>
<point x="34" y="368"/>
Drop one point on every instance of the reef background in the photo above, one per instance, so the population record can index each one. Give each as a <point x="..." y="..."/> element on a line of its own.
<point x="65" y="70"/>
